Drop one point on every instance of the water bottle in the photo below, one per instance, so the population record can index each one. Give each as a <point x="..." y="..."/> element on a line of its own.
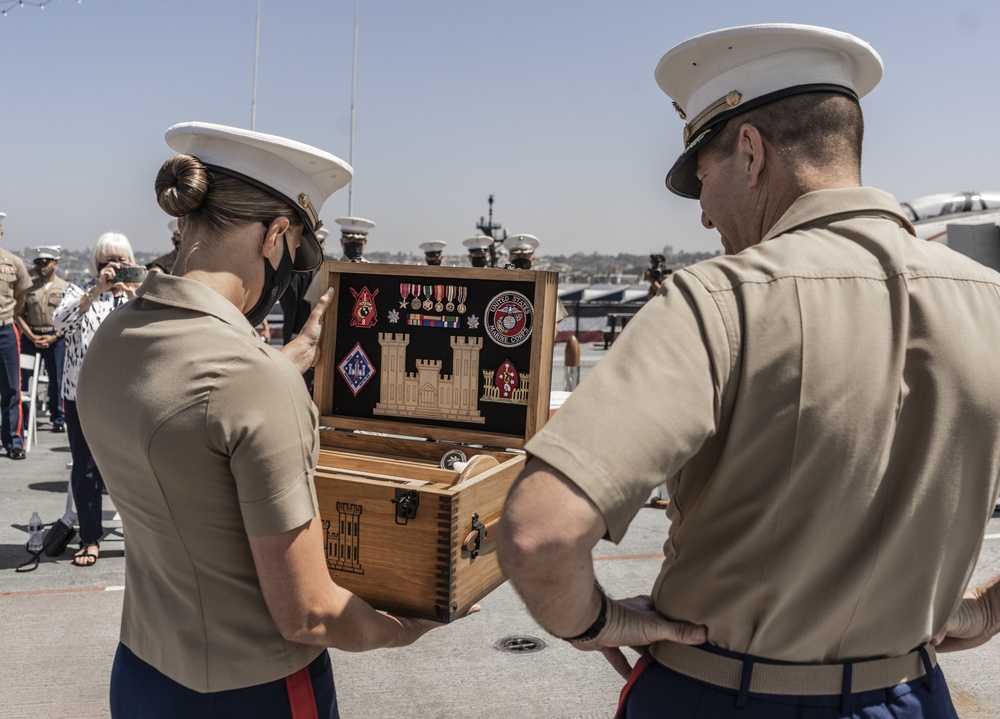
<point x="35" y="534"/>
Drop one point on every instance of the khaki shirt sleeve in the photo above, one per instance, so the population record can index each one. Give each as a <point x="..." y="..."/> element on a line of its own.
<point x="23" y="281"/>
<point x="647" y="407"/>
<point x="264" y="420"/>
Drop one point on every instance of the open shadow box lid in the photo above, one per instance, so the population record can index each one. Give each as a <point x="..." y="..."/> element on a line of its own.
<point x="457" y="354"/>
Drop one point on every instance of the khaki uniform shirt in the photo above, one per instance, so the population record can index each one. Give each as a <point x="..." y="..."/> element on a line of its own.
<point x="13" y="278"/>
<point x="825" y="407"/>
<point x="41" y="302"/>
<point x="204" y="435"/>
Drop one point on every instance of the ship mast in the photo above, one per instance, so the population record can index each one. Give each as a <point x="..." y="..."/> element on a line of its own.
<point x="488" y="228"/>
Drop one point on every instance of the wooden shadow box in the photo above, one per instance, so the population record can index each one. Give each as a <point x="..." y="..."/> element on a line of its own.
<point x="431" y="381"/>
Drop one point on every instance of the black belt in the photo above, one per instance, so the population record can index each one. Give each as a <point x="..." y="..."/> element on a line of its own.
<point x="44" y="329"/>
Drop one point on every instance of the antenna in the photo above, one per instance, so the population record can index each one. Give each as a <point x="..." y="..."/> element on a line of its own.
<point x="256" y="49"/>
<point x="354" y="85"/>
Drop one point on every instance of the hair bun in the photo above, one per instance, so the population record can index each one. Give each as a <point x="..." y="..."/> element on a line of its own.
<point x="181" y="185"/>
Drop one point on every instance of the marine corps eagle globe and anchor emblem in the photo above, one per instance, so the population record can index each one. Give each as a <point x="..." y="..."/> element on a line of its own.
<point x="509" y="318"/>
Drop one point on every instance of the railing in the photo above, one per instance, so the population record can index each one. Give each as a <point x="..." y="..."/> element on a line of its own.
<point x="596" y="321"/>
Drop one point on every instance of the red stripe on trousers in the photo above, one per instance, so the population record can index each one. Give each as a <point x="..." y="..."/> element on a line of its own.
<point x="20" y="407"/>
<point x="641" y="665"/>
<point x="301" y="698"/>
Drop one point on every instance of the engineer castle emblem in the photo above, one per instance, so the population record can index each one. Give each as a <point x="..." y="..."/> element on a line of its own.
<point x="427" y="393"/>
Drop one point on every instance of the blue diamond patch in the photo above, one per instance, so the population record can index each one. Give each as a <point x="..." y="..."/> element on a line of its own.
<point x="356" y="369"/>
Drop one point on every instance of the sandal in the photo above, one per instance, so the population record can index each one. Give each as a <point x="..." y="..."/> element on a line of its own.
<point x="81" y="557"/>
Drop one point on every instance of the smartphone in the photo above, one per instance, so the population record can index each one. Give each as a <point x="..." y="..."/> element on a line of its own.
<point x="130" y="275"/>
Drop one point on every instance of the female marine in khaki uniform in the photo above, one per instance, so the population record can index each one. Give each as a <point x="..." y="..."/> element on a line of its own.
<point x="229" y="607"/>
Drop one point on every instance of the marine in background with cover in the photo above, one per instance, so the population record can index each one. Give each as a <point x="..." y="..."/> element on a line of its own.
<point x="38" y="333"/>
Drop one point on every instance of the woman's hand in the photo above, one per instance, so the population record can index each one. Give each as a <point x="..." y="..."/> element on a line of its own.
<point x="303" y="351"/>
<point x="106" y="278"/>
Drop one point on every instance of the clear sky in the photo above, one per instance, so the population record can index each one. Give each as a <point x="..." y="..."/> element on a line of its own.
<point x="550" y="105"/>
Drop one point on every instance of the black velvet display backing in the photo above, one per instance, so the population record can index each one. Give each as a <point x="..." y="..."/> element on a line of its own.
<point x="431" y="343"/>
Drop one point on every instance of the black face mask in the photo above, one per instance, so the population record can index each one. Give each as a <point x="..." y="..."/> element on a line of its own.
<point x="275" y="283"/>
<point x="478" y="260"/>
<point x="353" y="250"/>
<point x="521" y="262"/>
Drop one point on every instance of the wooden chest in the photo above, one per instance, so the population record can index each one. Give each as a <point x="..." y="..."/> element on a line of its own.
<point x="431" y="381"/>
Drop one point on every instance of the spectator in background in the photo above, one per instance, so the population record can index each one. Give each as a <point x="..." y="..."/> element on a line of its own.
<point x="433" y="251"/>
<point x="39" y="335"/>
<point x="479" y="250"/>
<point x="14" y="282"/>
<point x="354" y="237"/>
<point x="522" y="256"/>
<point x="655" y="273"/>
<point x="78" y="316"/>
<point x="165" y="263"/>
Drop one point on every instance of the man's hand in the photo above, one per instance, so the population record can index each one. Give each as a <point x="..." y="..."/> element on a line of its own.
<point x="547" y="532"/>
<point x="44" y="341"/>
<point x="303" y="351"/>
<point x="635" y="623"/>
<point x="976" y="621"/>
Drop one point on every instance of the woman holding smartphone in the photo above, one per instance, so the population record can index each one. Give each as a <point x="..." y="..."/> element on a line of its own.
<point x="78" y="316"/>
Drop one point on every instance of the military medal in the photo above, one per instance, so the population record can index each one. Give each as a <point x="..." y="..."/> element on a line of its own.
<point x="463" y="293"/>
<point x="428" y="304"/>
<point x="416" y="297"/>
<point x="404" y="292"/>
<point x="450" y="307"/>
<point x="438" y="296"/>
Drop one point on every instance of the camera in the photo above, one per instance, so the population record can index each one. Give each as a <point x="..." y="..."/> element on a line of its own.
<point x="130" y="275"/>
<point x="656" y="269"/>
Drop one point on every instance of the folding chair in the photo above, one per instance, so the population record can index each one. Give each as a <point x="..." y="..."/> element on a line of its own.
<point x="42" y="394"/>
<point x="33" y="364"/>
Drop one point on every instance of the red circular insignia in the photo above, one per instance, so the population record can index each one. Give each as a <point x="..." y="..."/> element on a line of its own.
<point x="509" y="319"/>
